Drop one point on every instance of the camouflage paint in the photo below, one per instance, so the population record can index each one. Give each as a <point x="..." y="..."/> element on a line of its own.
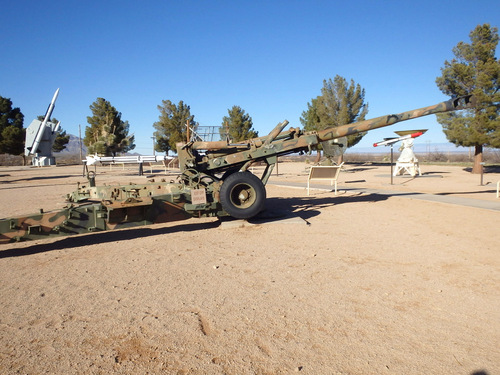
<point x="203" y="164"/>
<point x="221" y="156"/>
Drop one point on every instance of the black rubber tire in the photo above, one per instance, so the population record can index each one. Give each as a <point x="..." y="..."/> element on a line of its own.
<point x="242" y="195"/>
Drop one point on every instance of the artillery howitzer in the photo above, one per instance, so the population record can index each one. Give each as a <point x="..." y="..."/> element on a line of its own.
<point x="214" y="181"/>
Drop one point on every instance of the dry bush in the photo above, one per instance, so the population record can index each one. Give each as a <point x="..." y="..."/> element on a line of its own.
<point x="68" y="159"/>
<point x="19" y="160"/>
<point x="492" y="156"/>
<point x="11" y="160"/>
<point x="367" y="157"/>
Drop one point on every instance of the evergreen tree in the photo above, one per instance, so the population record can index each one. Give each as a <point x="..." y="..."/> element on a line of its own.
<point x="474" y="70"/>
<point x="340" y="103"/>
<point x="107" y="134"/>
<point x="12" y="133"/>
<point x="310" y="118"/>
<point x="61" y="141"/>
<point x="171" y="125"/>
<point x="238" y="125"/>
<point x="13" y="140"/>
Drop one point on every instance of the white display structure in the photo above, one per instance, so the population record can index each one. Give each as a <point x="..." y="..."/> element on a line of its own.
<point x="40" y="137"/>
<point x="407" y="161"/>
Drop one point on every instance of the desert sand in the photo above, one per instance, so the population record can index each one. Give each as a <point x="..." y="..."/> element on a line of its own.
<point x="375" y="280"/>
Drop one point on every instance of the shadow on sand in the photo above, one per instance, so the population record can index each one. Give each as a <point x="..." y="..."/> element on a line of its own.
<point x="276" y="209"/>
<point x="486" y="169"/>
<point x="307" y="207"/>
<point x="466" y="192"/>
<point x="104" y="237"/>
<point x="37" y="178"/>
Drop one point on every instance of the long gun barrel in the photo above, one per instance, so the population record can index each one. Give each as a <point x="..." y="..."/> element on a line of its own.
<point x="463" y="102"/>
<point x="222" y="156"/>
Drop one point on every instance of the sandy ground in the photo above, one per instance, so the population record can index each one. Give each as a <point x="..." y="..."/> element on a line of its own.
<point x="358" y="283"/>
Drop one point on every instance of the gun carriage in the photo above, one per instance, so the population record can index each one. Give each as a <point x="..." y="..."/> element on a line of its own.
<point x="214" y="181"/>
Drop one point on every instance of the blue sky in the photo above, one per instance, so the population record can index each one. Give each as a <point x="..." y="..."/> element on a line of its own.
<point x="268" y="57"/>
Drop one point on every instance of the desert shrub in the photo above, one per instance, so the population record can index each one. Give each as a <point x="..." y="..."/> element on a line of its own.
<point x="435" y="156"/>
<point x="366" y="157"/>
<point x="492" y="156"/>
<point x="18" y="160"/>
<point x="11" y="160"/>
<point x="67" y="159"/>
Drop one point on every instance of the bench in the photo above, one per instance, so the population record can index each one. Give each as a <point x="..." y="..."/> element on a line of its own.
<point x="324" y="173"/>
<point x="165" y="164"/>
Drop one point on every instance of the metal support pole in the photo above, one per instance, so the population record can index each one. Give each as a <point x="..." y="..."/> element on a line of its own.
<point x="392" y="164"/>
<point x="482" y="171"/>
<point x="80" y="141"/>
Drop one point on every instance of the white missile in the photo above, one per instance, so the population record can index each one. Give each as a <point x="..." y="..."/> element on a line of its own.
<point x="51" y="107"/>
<point x="41" y="129"/>
<point x="57" y="128"/>
<point x="394" y="140"/>
<point x="139" y="159"/>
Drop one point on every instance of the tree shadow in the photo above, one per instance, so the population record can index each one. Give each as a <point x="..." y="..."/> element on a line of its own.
<point x="358" y="169"/>
<point x="466" y="192"/>
<point x="354" y="181"/>
<point x="434" y="172"/>
<point x="37" y="178"/>
<point x="308" y="207"/>
<point x="30" y="186"/>
<point x="486" y="169"/>
<point x="369" y="164"/>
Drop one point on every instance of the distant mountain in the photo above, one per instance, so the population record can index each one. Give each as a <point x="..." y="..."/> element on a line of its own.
<point x="73" y="147"/>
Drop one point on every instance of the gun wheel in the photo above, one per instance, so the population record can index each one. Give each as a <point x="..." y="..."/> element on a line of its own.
<point x="242" y="195"/>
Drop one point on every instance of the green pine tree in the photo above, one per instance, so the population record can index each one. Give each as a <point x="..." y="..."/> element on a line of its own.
<point x="171" y="125"/>
<point x="474" y="70"/>
<point x="238" y="125"/>
<point x="62" y="139"/>
<point x="12" y="133"/>
<point x="107" y="134"/>
<point x="340" y="103"/>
